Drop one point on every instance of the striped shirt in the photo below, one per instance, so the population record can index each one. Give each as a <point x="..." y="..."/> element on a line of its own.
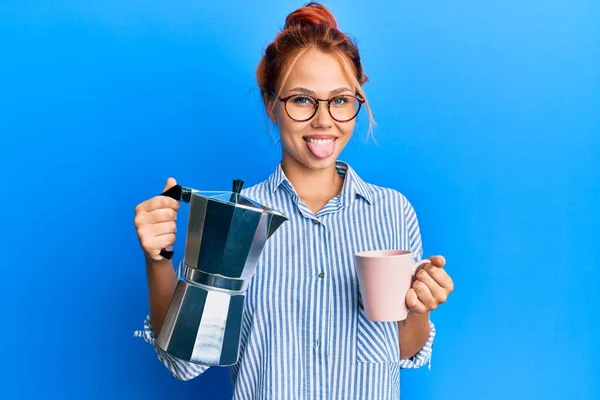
<point x="304" y="331"/>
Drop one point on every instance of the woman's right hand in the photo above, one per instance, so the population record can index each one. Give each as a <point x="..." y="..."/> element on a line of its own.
<point x="155" y="223"/>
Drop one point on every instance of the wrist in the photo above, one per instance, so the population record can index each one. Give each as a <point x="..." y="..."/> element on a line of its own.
<point x="155" y="264"/>
<point x="414" y="318"/>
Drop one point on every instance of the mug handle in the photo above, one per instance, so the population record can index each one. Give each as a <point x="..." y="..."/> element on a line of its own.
<point x="179" y="193"/>
<point x="419" y="265"/>
<point x="416" y="267"/>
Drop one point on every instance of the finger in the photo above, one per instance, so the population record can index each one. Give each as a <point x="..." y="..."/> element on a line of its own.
<point x="438" y="261"/>
<point x="155" y="254"/>
<point x="424" y="295"/>
<point x="441" y="277"/>
<point x="157" y="202"/>
<point x="413" y="302"/>
<point x="169" y="184"/>
<point x="155" y="216"/>
<point x="150" y="242"/>
<point x="163" y="228"/>
<point x="147" y="232"/>
<point x="165" y="240"/>
<point x="155" y="244"/>
<point x="439" y="293"/>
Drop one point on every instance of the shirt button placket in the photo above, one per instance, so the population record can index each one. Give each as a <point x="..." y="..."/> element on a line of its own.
<point x="318" y="223"/>
<point x="321" y="343"/>
<point x="320" y="233"/>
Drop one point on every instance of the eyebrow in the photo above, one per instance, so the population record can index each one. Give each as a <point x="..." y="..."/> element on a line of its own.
<point x="332" y="93"/>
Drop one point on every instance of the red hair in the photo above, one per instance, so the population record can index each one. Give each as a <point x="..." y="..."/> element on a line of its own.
<point x="311" y="26"/>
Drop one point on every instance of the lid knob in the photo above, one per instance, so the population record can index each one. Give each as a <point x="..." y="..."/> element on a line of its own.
<point x="238" y="184"/>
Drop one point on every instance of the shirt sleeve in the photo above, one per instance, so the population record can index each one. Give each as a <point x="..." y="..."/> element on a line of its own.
<point x="416" y="246"/>
<point x="180" y="369"/>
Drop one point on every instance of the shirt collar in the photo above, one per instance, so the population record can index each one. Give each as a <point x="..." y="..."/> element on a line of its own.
<point x="353" y="184"/>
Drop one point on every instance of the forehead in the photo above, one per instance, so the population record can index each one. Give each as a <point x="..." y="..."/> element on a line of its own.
<point x="318" y="71"/>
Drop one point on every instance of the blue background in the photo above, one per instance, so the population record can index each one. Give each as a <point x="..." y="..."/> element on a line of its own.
<point x="488" y="121"/>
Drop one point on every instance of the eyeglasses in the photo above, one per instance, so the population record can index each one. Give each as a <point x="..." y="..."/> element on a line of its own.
<point x="302" y="107"/>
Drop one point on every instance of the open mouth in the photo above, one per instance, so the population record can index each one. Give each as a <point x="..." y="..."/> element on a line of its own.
<point x="321" y="146"/>
<point x="318" y="141"/>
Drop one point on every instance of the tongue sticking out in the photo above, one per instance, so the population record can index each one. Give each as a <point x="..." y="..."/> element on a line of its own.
<point x="322" y="150"/>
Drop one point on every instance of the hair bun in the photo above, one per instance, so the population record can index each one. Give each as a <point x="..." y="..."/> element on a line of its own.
<point x="311" y="14"/>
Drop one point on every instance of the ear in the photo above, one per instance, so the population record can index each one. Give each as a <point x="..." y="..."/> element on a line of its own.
<point x="271" y="105"/>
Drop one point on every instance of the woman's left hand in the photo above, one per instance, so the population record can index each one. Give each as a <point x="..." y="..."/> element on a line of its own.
<point x="431" y="287"/>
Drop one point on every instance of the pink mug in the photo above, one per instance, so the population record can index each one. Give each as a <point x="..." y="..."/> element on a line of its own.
<point x="384" y="277"/>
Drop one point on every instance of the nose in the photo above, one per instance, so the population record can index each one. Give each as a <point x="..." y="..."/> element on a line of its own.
<point x="322" y="118"/>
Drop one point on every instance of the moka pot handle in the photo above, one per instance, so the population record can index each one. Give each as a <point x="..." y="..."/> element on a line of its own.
<point x="179" y="193"/>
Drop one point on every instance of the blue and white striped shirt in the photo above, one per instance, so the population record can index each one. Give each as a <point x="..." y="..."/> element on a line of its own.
<point x="304" y="333"/>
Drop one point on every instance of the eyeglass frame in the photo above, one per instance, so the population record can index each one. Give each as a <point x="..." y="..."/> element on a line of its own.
<point x="284" y="100"/>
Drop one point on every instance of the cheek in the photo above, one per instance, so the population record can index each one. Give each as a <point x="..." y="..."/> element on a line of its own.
<point x="285" y="125"/>
<point x="291" y="131"/>
<point x="291" y="139"/>
<point x="346" y="130"/>
<point x="286" y="129"/>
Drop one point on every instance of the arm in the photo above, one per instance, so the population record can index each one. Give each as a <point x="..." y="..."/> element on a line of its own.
<point x="161" y="286"/>
<point x="155" y="226"/>
<point x="422" y="355"/>
<point x="413" y="334"/>
<point x="416" y="333"/>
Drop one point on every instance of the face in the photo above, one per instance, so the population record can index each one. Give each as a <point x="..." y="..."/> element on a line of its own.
<point x="316" y="143"/>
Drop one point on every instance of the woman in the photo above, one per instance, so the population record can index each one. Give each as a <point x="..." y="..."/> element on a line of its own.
<point x="304" y="333"/>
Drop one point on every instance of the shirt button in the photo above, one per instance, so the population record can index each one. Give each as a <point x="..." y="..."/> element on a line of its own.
<point x="321" y="275"/>
<point x="317" y="222"/>
<point x="317" y="343"/>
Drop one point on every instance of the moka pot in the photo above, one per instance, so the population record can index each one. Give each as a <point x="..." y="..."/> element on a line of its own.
<point x="226" y="234"/>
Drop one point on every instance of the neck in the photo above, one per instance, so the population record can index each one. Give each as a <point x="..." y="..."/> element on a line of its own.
<point x="311" y="185"/>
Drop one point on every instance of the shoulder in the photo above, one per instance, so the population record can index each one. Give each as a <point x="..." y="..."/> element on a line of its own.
<point x="391" y="201"/>
<point x="257" y="191"/>
<point x="385" y="195"/>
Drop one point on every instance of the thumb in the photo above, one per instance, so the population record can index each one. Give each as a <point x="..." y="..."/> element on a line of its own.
<point x="170" y="183"/>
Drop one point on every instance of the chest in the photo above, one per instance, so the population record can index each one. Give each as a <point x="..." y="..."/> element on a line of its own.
<point x="308" y="256"/>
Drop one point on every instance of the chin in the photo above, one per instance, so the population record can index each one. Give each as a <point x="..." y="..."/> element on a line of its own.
<point x="323" y="164"/>
<point x="313" y="163"/>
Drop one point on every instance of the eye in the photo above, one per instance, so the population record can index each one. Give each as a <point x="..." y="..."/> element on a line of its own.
<point x="340" y="101"/>
<point x="303" y="101"/>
